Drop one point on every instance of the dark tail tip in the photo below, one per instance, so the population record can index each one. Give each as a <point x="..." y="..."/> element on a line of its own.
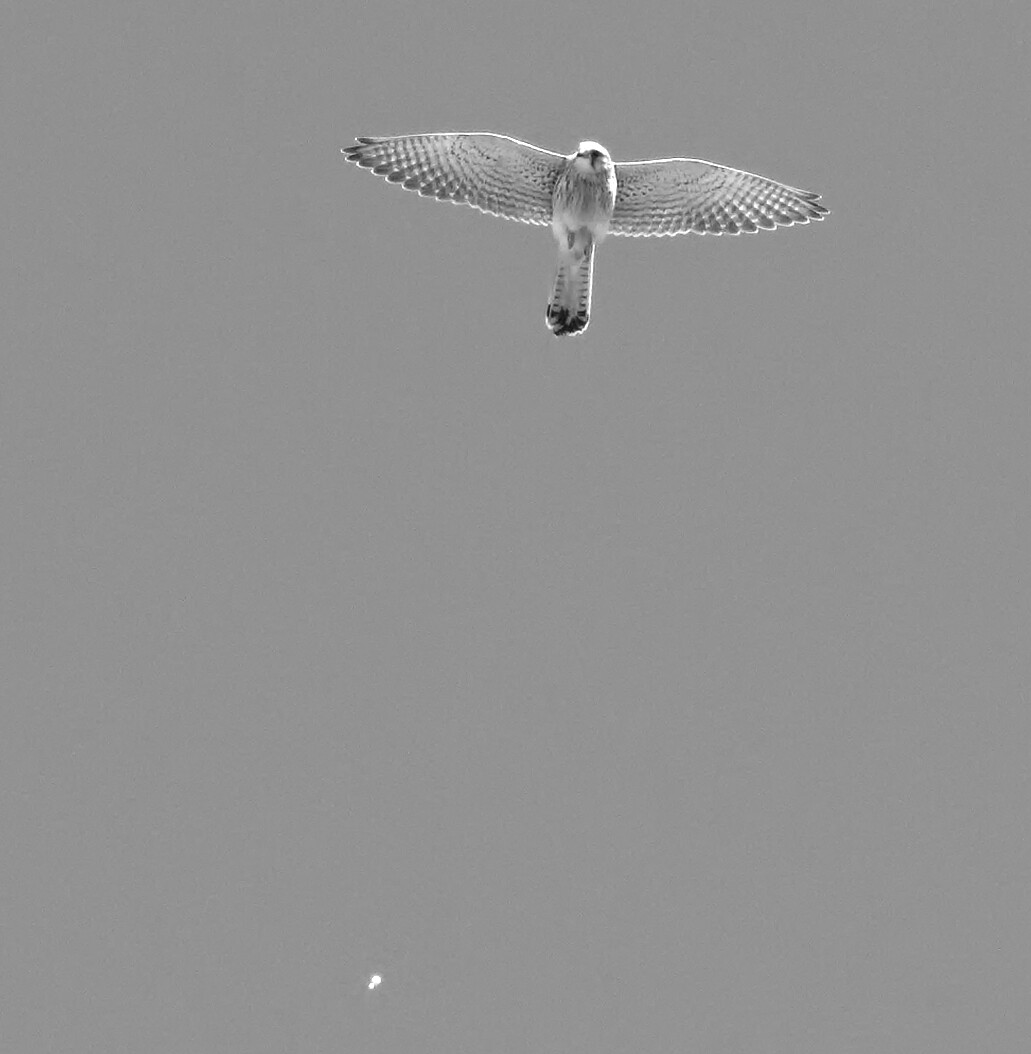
<point x="563" y="324"/>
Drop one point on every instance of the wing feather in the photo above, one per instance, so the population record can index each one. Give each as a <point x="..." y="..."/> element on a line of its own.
<point x="680" y="194"/>
<point x="492" y="173"/>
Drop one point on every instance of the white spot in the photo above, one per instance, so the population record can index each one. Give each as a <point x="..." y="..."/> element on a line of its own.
<point x="375" y="981"/>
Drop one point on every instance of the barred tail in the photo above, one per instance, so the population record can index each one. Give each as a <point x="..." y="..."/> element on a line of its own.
<point x="569" y="309"/>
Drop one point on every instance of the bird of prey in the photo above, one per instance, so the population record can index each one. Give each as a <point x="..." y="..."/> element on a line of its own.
<point x="583" y="197"/>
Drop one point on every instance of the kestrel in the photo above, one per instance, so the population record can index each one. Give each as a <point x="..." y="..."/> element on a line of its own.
<point x="583" y="197"/>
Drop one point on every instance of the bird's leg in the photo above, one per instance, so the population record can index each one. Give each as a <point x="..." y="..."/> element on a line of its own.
<point x="577" y="242"/>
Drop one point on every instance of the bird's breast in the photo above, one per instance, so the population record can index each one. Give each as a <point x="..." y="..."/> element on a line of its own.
<point x="583" y="200"/>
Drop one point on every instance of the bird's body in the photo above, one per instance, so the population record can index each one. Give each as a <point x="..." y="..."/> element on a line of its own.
<point x="582" y="204"/>
<point x="583" y="197"/>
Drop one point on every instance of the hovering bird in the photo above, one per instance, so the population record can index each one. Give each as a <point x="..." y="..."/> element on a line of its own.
<point x="583" y="197"/>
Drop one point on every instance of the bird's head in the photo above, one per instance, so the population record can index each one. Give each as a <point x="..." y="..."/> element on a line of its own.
<point x="592" y="156"/>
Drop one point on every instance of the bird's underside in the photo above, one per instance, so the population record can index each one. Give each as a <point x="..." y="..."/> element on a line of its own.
<point x="583" y="197"/>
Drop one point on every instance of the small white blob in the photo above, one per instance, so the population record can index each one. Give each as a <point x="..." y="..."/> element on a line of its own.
<point x="375" y="981"/>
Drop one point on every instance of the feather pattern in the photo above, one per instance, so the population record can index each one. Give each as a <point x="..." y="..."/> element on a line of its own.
<point x="569" y="309"/>
<point x="493" y="173"/>
<point x="681" y="194"/>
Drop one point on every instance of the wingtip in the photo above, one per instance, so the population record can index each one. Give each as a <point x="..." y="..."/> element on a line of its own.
<point x="816" y="208"/>
<point x="355" y="152"/>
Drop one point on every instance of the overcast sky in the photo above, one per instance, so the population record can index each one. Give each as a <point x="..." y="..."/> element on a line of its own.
<point x="661" y="690"/>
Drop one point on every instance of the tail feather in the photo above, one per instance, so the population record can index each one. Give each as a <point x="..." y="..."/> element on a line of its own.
<point x="569" y="309"/>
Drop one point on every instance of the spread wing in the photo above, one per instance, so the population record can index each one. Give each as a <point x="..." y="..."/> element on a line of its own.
<point x="681" y="194"/>
<point x="493" y="173"/>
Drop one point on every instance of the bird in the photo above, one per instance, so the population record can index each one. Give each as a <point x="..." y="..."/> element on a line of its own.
<point x="583" y="197"/>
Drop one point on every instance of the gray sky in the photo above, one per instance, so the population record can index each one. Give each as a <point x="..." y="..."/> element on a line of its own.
<point x="662" y="690"/>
